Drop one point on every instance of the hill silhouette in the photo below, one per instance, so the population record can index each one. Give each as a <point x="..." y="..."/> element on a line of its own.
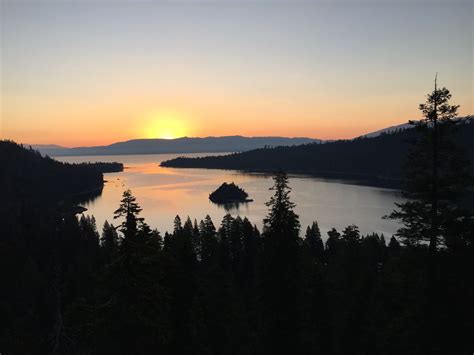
<point x="178" y="145"/>
<point x="375" y="161"/>
<point x="25" y="174"/>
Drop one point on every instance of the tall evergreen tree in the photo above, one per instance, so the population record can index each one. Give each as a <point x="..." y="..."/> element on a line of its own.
<point x="394" y="245"/>
<point x="280" y="271"/>
<point x="109" y="240"/>
<point x="437" y="175"/>
<point x="129" y="209"/>
<point x="351" y="235"/>
<point x="177" y="227"/>
<point x="224" y="241"/>
<point x="207" y="231"/>
<point x="182" y="244"/>
<point x="282" y="221"/>
<point x="333" y="242"/>
<point x="196" y="240"/>
<point x="236" y="244"/>
<point x="251" y="250"/>
<point x="313" y="240"/>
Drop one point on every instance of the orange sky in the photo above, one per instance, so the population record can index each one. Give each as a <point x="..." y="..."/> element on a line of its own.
<point x="93" y="73"/>
<point x="75" y="122"/>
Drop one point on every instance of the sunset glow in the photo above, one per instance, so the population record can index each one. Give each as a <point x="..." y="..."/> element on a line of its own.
<point x="105" y="71"/>
<point x="166" y="125"/>
<point x="237" y="176"/>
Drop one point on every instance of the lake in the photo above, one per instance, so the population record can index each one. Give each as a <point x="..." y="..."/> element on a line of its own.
<point x="164" y="193"/>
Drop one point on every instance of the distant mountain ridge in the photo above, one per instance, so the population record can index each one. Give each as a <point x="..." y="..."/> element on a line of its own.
<point x="404" y="126"/>
<point x="376" y="160"/>
<point x="390" y="129"/>
<point x="45" y="146"/>
<point x="211" y="144"/>
<point x="178" y="145"/>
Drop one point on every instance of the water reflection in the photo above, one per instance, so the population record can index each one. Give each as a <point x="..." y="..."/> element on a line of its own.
<point x="165" y="192"/>
<point x="231" y="206"/>
<point x="86" y="198"/>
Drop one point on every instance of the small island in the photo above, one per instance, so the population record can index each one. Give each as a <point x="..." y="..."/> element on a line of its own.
<point x="229" y="193"/>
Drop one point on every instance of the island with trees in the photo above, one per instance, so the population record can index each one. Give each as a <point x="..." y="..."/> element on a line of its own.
<point x="228" y="194"/>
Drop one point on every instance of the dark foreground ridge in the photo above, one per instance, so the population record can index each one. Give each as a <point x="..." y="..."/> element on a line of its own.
<point x="113" y="167"/>
<point x="205" y="289"/>
<point x="26" y="174"/>
<point x="374" y="161"/>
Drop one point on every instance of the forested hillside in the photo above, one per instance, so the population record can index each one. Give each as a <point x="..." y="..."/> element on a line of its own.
<point x="378" y="160"/>
<point x="25" y="174"/>
<point x="228" y="289"/>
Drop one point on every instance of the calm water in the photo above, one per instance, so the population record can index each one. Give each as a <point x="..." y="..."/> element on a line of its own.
<point x="165" y="192"/>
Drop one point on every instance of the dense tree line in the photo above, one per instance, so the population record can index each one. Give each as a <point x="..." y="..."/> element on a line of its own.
<point x="375" y="161"/>
<point x="203" y="288"/>
<point x="228" y="288"/>
<point x="26" y="174"/>
<point x="110" y="167"/>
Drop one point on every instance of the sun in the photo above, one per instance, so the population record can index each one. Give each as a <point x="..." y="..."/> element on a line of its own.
<point x="166" y="125"/>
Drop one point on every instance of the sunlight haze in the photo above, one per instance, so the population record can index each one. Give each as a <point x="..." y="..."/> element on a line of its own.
<point x="96" y="72"/>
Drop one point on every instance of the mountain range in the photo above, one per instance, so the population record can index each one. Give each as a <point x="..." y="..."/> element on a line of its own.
<point x="187" y="145"/>
<point x="390" y="129"/>
<point x="178" y="145"/>
<point x="373" y="159"/>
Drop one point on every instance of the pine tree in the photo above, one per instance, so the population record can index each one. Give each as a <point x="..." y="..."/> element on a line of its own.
<point x="177" y="227"/>
<point x="188" y="226"/>
<point x="182" y="244"/>
<point x="207" y="231"/>
<point x="236" y="244"/>
<point x="251" y="249"/>
<point x="90" y="240"/>
<point x="393" y="245"/>
<point x="156" y="240"/>
<point x="109" y="240"/>
<point x="313" y="240"/>
<point x="224" y="241"/>
<point x="333" y="242"/>
<point x="129" y="209"/>
<point x="437" y="175"/>
<point x="196" y="240"/>
<point x="282" y="221"/>
<point x="351" y="235"/>
<point x="280" y="271"/>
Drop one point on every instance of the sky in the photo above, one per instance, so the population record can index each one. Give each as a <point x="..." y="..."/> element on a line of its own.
<point x="79" y="73"/>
